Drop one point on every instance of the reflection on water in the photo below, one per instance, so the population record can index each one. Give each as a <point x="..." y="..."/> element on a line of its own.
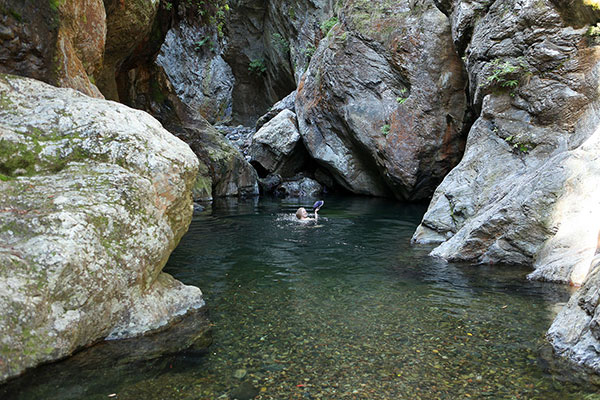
<point x="344" y="309"/>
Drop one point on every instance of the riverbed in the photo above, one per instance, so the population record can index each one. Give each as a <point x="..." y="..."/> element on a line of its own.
<point x="339" y="308"/>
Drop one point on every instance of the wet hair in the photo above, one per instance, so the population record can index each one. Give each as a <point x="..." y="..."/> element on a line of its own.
<point x="300" y="213"/>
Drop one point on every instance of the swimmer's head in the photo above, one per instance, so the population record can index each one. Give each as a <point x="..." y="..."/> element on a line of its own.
<point x="301" y="213"/>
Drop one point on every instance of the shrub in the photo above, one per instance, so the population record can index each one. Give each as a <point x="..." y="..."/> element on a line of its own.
<point x="507" y="75"/>
<point x="327" y="25"/>
<point x="257" y="66"/>
<point x="280" y="43"/>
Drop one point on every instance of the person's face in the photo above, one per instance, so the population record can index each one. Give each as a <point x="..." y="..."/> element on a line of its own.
<point x="304" y="214"/>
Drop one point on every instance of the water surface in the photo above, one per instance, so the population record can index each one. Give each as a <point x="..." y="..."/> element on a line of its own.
<point x="342" y="309"/>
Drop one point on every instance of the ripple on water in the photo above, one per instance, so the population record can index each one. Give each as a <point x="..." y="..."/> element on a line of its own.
<point x="341" y="309"/>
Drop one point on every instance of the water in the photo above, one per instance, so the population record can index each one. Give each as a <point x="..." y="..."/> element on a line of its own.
<point x="342" y="309"/>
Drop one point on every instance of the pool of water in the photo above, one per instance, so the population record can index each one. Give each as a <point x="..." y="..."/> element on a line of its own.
<point x="342" y="309"/>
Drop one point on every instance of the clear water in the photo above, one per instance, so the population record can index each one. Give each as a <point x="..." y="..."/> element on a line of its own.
<point x="344" y="309"/>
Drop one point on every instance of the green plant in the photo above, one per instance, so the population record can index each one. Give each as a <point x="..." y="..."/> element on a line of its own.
<point x="205" y="40"/>
<point x="522" y="147"/>
<point x="309" y="51"/>
<point x="280" y="43"/>
<point x="593" y="30"/>
<point x="257" y="66"/>
<point x="212" y="12"/>
<point x="328" y="24"/>
<point x="54" y="4"/>
<point x="506" y="74"/>
<point x="402" y="99"/>
<point x="385" y="129"/>
<point x="168" y="5"/>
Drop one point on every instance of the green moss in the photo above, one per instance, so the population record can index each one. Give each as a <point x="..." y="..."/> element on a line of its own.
<point x="55" y="4"/>
<point x="15" y="157"/>
<point x="11" y="12"/>
<point x="328" y="24"/>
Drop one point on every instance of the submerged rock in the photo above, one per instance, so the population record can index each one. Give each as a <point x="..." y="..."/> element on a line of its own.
<point x="94" y="196"/>
<point x="382" y="104"/>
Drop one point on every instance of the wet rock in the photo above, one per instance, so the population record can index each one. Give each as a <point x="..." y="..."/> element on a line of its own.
<point x="95" y="196"/>
<point x="244" y="391"/>
<point x="277" y="146"/>
<point x="304" y="187"/>
<point x="382" y="104"/>
<point x="287" y="103"/>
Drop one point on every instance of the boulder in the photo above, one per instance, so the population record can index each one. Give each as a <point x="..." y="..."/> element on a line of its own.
<point x="94" y="196"/>
<point x="277" y="146"/>
<point x="382" y="104"/>
<point x="230" y="173"/>
<point x="575" y="333"/>
<point x="524" y="186"/>
<point x="302" y="187"/>
<point x="287" y="103"/>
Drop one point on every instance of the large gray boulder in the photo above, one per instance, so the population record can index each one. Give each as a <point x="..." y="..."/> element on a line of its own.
<point x="94" y="196"/>
<point x="287" y="103"/>
<point x="277" y="146"/>
<point x="382" y="104"/>
<point x="522" y="188"/>
<point x="526" y="189"/>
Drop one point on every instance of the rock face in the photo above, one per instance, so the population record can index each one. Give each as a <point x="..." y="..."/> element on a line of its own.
<point x="129" y="24"/>
<point x="191" y="59"/>
<point x="277" y="146"/>
<point x="382" y="104"/>
<point x="575" y="333"/>
<point x="523" y="185"/>
<point x="269" y="44"/>
<point x="94" y="196"/>
<point x="526" y="189"/>
<point x="61" y="43"/>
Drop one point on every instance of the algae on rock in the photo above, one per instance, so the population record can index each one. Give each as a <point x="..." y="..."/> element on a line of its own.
<point x="91" y="206"/>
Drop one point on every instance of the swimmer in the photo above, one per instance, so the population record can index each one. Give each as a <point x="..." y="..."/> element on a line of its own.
<point x="302" y="214"/>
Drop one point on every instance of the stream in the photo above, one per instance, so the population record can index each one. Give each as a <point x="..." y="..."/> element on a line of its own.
<point x="342" y="309"/>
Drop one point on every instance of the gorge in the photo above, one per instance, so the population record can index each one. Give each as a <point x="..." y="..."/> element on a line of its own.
<point x="117" y="116"/>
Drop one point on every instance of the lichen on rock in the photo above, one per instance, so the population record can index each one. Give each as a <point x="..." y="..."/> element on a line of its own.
<point x="91" y="206"/>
